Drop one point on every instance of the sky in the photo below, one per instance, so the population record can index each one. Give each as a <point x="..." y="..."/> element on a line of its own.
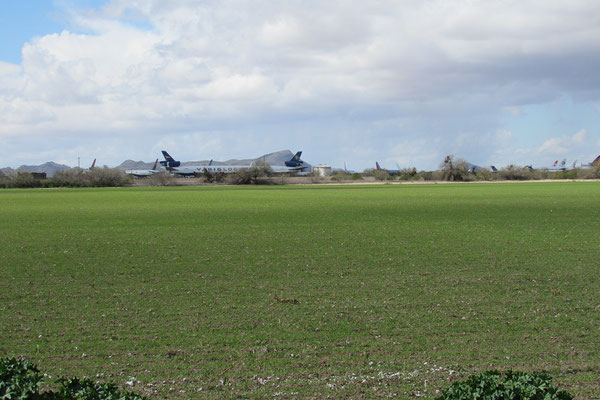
<point x="400" y="82"/>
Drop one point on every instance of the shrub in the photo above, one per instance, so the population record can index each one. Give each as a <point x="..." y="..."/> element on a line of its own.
<point x="97" y="177"/>
<point x="369" y="172"/>
<point x="491" y="385"/>
<point x="20" y="379"/>
<point x="315" y="177"/>
<point x="455" y="170"/>
<point x="107" y="177"/>
<point x="256" y="175"/>
<point x="408" y="174"/>
<point x="338" y="177"/>
<point x="484" y="174"/>
<point x="70" y="177"/>
<point x="429" y="175"/>
<point x="589" y="173"/>
<point x="208" y="176"/>
<point x="382" y="175"/>
<point x="86" y="389"/>
<point x="515" y="173"/>
<point x="25" y="180"/>
<point x="162" y="179"/>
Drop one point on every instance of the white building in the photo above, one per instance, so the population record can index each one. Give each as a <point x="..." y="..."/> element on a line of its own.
<point x="322" y="169"/>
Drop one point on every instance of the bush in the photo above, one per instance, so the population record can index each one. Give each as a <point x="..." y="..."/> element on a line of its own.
<point x="211" y="177"/>
<point x="25" y="180"/>
<point x="97" y="177"/>
<point x="256" y="175"/>
<point x="315" y="177"/>
<point x="369" y="172"/>
<point x="491" y="385"/>
<point x="86" y="389"/>
<point x="382" y="175"/>
<point x="20" y="379"/>
<point x="455" y="170"/>
<point x="70" y="178"/>
<point x="589" y="173"/>
<point x="338" y="177"/>
<point x="107" y="177"/>
<point x="484" y="174"/>
<point x="515" y="173"/>
<point x="162" y="179"/>
<point x="408" y="174"/>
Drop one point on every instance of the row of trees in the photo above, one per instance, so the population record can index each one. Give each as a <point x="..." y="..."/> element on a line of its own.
<point x="451" y="169"/>
<point x="458" y="170"/>
<point x="75" y="177"/>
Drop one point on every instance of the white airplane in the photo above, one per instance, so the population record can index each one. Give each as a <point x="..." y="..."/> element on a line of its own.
<point x="594" y="163"/>
<point x="142" y="173"/>
<point x="293" y="165"/>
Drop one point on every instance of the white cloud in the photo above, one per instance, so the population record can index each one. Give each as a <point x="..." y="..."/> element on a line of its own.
<point x="262" y="69"/>
<point x="564" y="144"/>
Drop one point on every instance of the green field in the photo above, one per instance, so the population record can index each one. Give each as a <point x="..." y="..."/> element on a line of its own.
<point x="400" y="289"/>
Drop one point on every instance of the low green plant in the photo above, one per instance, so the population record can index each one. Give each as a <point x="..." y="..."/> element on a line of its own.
<point x="86" y="389"/>
<point x="492" y="385"/>
<point x="21" y="379"/>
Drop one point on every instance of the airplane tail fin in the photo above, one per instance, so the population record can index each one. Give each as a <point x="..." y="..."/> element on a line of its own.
<point x="295" y="161"/>
<point x="154" y="166"/>
<point x="93" y="164"/>
<point x="169" y="161"/>
<point x="596" y="161"/>
<point x="494" y="169"/>
<point x="555" y="163"/>
<point x="377" y="166"/>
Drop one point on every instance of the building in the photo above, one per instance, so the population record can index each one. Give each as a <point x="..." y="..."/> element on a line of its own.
<point x="322" y="169"/>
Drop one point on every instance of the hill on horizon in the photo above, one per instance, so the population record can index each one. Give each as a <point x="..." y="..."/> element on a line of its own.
<point x="51" y="168"/>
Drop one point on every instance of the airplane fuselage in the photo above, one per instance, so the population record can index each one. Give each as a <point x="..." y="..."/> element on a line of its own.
<point x="226" y="169"/>
<point x="141" y="173"/>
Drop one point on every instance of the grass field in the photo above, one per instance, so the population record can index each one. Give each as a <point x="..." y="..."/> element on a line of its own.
<point x="400" y="289"/>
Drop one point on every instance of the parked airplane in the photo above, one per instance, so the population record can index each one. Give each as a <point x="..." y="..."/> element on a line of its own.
<point x="348" y="171"/>
<point x="559" y="167"/>
<point x="593" y="163"/>
<point x="293" y="165"/>
<point x="93" y="166"/>
<point x="142" y="173"/>
<point x="390" y="171"/>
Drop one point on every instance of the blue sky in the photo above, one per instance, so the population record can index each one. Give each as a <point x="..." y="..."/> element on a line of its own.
<point x="20" y="21"/>
<point x="397" y="82"/>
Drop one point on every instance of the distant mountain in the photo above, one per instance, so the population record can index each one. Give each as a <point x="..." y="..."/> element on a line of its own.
<point x="130" y="164"/>
<point x="276" y="158"/>
<point x="8" y="171"/>
<point x="50" y="168"/>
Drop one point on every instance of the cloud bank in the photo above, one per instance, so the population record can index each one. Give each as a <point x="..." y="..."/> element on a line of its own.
<point x="397" y="81"/>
